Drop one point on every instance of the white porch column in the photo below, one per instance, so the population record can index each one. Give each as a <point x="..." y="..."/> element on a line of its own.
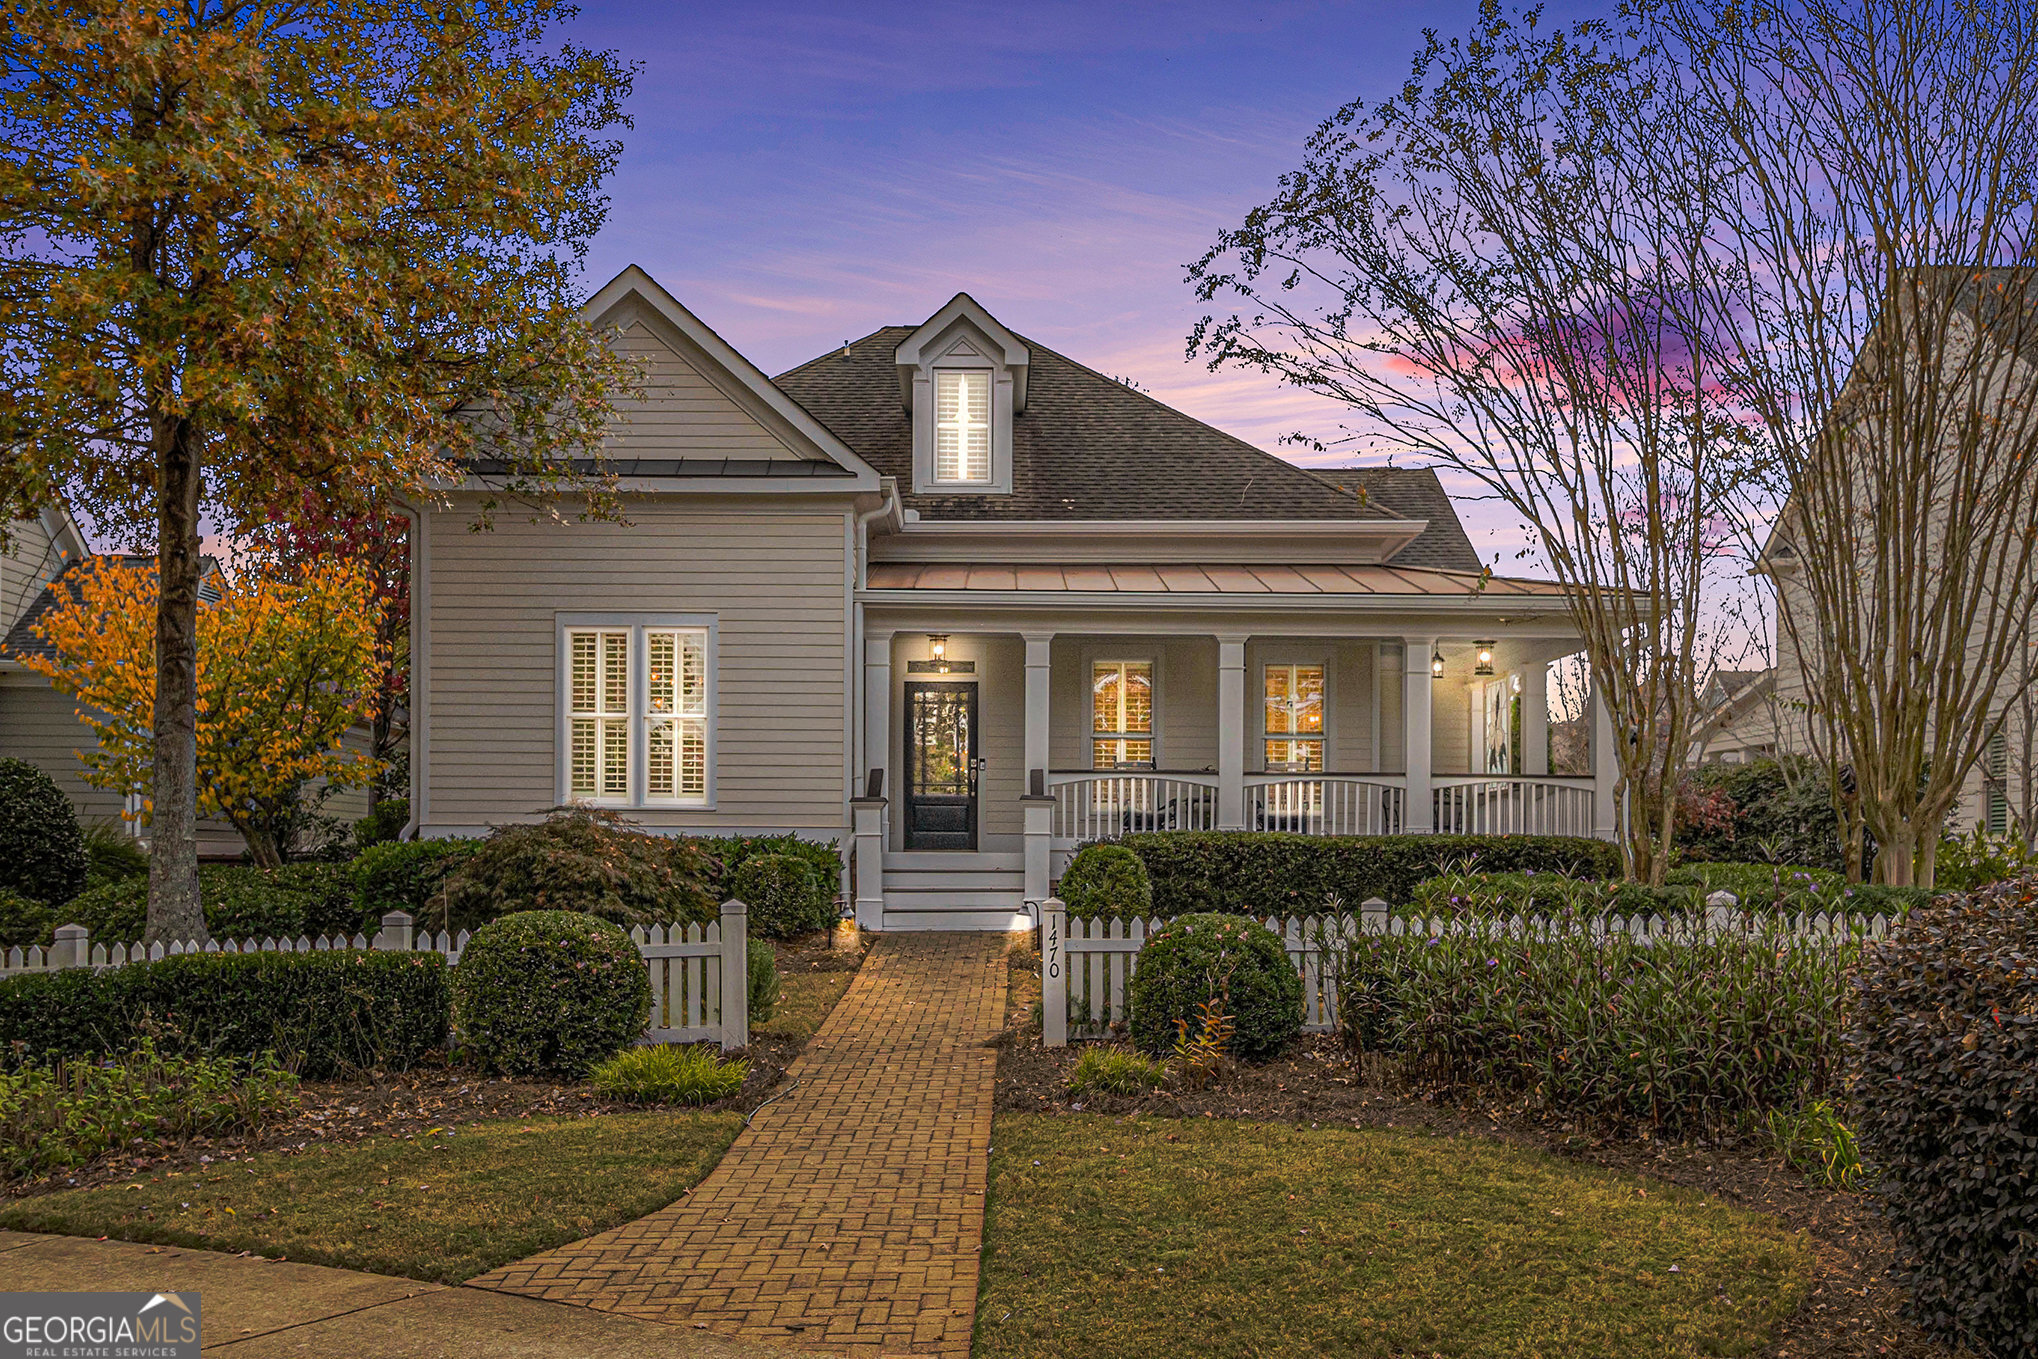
<point x="1231" y="731"/>
<point x="1535" y="718"/>
<point x="877" y="710"/>
<point x="1418" y="814"/>
<point x="867" y="821"/>
<point x="1605" y="766"/>
<point x="1036" y="805"/>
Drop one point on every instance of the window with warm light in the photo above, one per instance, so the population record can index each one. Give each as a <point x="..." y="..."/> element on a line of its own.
<point x="1121" y="714"/>
<point x="636" y="715"/>
<point x="1294" y="718"/>
<point x="962" y="425"/>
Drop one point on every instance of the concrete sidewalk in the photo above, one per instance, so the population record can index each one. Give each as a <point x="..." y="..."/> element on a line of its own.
<point x="254" y="1308"/>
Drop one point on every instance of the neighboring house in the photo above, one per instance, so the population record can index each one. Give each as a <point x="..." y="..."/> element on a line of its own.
<point x="2000" y="792"/>
<point x="41" y="725"/>
<point x="1739" y="721"/>
<point x="954" y="597"/>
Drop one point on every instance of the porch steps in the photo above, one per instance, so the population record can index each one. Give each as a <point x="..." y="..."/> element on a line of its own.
<point x="955" y="891"/>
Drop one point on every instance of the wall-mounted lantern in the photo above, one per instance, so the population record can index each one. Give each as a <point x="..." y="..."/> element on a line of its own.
<point x="1485" y="658"/>
<point x="937" y="647"/>
<point x="1436" y="665"/>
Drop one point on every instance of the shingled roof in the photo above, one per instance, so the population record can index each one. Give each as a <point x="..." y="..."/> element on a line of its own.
<point x="1412" y="493"/>
<point x="1087" y="447"/>
<point x="22" y="640"/>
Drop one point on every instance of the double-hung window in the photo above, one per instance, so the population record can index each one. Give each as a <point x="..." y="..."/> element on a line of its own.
<point x="1121" y="714"/>
<point x="1294" y="718"/>
<point x="636" y="720"/>
<point x="962" y="425"/>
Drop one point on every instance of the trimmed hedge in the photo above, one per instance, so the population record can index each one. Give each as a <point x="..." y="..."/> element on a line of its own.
<point x="583" y="861"/>
<point x="1546" y="894"/>
<point x="42" y="849"/>
<point x="1104" y="881"/>
<point x="728" y="853"/>
<point x="782" y="896"/>
<point x="240" y="901"/>
<point x="1944" y="1076"/>
<point x="1783" y="888"/>
<point x="23" y="921"/>
<point x="323" y="1013"/>
<point x="557" y="991"/>
<point x="1189" y="960"/>
<point x="1262" y="873"/>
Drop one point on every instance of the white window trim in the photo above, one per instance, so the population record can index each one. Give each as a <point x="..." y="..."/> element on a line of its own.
<point x="640" y="692"/>
<point x="981" y="356"/>
<point x="1152" y="735"/>
<point x="990" y="475"/>
<point x="1258" y="670"/>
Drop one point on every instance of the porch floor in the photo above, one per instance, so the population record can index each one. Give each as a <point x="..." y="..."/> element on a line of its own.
<point x="848" y="1216"/>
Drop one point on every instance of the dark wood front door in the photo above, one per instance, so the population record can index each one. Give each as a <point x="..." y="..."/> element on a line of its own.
<point x="941" y="766"/>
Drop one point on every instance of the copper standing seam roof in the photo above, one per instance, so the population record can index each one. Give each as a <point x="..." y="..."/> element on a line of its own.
<point x="1192" y="579"/>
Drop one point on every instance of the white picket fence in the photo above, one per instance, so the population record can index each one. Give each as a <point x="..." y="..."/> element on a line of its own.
<point x="1086" y="966"/>
<point x="700" y="974"/>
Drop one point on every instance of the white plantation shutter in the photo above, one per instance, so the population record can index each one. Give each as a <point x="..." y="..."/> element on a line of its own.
<point x="676" y="715"/>
<point x="962" y="426"/>
<point x="599" y="714"/>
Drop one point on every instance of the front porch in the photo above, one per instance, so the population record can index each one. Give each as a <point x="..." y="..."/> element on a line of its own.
<point x="993" y="754"/>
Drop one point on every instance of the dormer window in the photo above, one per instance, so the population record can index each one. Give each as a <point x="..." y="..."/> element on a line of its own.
<point x="962" y="377"/>
<point x="962" y="425"/>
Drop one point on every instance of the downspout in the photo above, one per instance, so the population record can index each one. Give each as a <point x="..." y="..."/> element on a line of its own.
<point x="887" y="505"/>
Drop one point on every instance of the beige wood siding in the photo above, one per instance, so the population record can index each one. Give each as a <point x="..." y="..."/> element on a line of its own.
<point x="683" y="411"/>
<point x="772" y="575"/>
<point x="1185" y="697"/>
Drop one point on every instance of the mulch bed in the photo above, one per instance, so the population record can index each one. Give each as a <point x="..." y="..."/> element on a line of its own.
<point x="406" y="1105"/>
<point x="1853" y="1308"/>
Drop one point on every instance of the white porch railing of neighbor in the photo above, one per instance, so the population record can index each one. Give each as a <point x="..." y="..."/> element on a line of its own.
<point x="1511" y="804"/>
<point x="700" y="974"/>
<point x="1087" y="966"/>
<point x="1325" y="804"/>
<point x="1108" y="804"/>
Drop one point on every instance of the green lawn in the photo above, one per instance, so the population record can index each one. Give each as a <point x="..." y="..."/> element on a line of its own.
<point x="804" y="1001"/>
<point x="443" y="1208"/>
<point x="1208" y="1237"/>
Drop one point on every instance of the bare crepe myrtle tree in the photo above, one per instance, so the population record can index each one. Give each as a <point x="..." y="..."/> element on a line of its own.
<point x="1493" y="272"/>
<point x="1881" y="337"/>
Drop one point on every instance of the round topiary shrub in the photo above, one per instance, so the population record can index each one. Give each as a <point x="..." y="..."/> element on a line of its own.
<point x="782" y="895"/>
<point x="1103" y="881"/>
<point x="1195" y="957"/>
<point x="1943" y="1079"/>
<point x="42" y="848"/>
<point x="549" y="991"/>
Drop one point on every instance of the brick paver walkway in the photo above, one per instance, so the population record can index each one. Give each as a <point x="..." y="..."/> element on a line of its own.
<point x="847" y="1217"/>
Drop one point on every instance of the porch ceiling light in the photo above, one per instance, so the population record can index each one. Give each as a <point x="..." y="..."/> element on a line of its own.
<point x="1436" y="665"/>
<point x="937" y="647"/>
<point x="1485" y="658"/>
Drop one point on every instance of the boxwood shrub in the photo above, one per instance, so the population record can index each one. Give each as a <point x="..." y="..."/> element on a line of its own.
<point x="726" y="855"/>
<point x="549" y="991"/>
<point x="240" y="902"/>
<point x="579" y="860"/>
<point x="1105" y="881"/>
<point x="323" y="1013"/>
<point x="42" y="848"/>
<point x="782" y="896"/>
<point x="1541" y="895"/>
<point x="23" y="920"/>
<point x="1195" y="957"/>
<point x="1789" y="890"/>
<point x="1261" y="873"/>
<point x="1943" y="1065"/>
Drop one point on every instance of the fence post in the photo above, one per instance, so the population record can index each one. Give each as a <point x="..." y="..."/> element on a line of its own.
<point x="1372" y="916"/>
<point x="1054" y="974"/>
<point x="867" y="823"/>
<point x="735" y="975"/>
<point x="396" y="933"/>
<point x="1719" y="911"/>
<point x="73" y="947"/>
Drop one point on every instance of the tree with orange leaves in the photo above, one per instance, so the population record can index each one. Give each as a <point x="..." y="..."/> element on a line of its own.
<point x="258" y="251"/>
<point x="285" y="667"/>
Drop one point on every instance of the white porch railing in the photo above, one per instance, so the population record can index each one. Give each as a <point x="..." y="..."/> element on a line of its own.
<point x="1326" y="804"/>
<point x="1511" y="804"/>
<point x="1108" y="804"/>
<point x="700" y="974"/>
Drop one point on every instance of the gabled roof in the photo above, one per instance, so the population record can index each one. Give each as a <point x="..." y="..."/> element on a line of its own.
<point x="1413" y="493"/>
<point x="1086" y="448"/>
<point x="21" y="639"/>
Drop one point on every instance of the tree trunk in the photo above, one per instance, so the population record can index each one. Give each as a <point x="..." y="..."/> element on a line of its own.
<point x="174" y="908"/>
<point x="1895" y="857"/>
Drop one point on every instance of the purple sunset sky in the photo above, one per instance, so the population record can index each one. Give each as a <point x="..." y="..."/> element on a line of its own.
<point x="801" y="174"/>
